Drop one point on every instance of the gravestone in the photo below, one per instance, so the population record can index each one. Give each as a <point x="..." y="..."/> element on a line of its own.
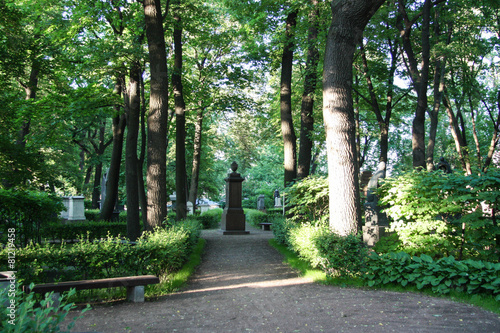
<point x="189" y="206"/>
<point x="375" y="221"/>
<point x="173" y="198"/>
<point x="75" y="208"/>
<point x="261" y="202"/>
<point x="233" y="217"/>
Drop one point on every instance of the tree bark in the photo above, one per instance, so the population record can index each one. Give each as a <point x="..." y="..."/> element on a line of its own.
<point x="158" y="114"/>
<point x="180" y="122"/>
<point x="133" y="105"/>
<point x="287" y="129"/>
<point x="349" y="19"/>
<point x="458" y="137"/>
<point x="195" y="170"/>
<point x="143" y="201"/>
<point x="119" y="121"/>
<point x="310" y="81"/>
<point x="30" y="88"/>
<point x="494" y="137"/>
<point x="420" y="78"/>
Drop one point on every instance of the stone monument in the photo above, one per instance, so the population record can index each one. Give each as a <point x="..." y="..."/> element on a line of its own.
<point x="261" y="202"/>
<point x="74" y="208"/>
<point x="233" y="217"/>
<point x="277" y="199"/>
<point x="375" y="221"/>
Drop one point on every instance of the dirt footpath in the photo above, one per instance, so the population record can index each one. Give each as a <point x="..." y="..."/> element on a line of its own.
<point x="242" y="285"/>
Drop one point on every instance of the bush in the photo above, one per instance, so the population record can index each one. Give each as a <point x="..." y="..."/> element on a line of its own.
<point x="158" y="253"/>
<point x="281" y="229"/>
<point x="344" y="256"/>
<point x="89" y="229"/>
<point x="47" y="317"/>
<point x="27" y="212"/>
<point x="441" y="276"/>
<point x="92" y="214"/>
<point x="303" y="239"/>
<point x="254" y="217"/>
<point x="308" y="200"/>
<point x="440" y="214"/>
<point x="211" y="218"/>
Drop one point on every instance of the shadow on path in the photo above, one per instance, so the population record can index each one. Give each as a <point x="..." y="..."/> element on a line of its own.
<point x="242" y="285"/>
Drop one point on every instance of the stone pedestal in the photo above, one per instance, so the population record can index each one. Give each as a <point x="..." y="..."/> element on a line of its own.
<point x="75" y="208"/>
<point x="233" y="217"/>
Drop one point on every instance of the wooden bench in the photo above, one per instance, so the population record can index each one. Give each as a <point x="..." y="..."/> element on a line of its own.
<point x="265" y="225"/>
<point x="134" y="284"/>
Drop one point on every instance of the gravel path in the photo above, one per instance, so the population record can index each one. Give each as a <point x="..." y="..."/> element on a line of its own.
<point x="242" y="285"/>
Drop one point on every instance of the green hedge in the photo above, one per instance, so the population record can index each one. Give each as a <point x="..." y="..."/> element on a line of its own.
<point x="254" y="217"/>
<point x="157" y="253"/>
<point x="441" y="276"/>
<point x="211" y="218"/>
<point x="27" y="212"/>
<point x="90" y="229"/>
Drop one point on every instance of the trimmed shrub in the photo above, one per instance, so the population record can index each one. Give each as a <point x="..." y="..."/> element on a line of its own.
<point x="27" y="212"/>
<point x="254" y="217"/>
<point x="158" y="253"/>
<point x="89" y="229"/>
<point x="211" y="218"/>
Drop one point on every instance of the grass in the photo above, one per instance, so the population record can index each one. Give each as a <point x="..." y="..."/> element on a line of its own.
<point x="486" y="302"/>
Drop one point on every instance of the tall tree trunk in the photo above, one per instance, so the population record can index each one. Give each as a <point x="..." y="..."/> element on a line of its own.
<point x="494" y="137"/>
<point x="287" y="129"/>
<point x="119" y="122"/>
<point x="30" y="88"/>
<point x="349" y="19"/>
<point x="133" y="104"/>
<point x="310" y="81"/>
<point x="420" y="78"/>
<point x="195" y="170"/>
<point x="460" y="143"/>
<point x="439" y="71"/>
<point x="140" y="162"/>
<point x="383" y="121"/>
<point x="180" y="122"/>
<point x="158" y="114"/>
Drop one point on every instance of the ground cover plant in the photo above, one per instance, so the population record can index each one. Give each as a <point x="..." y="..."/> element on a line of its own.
<point x="465" y="229"/>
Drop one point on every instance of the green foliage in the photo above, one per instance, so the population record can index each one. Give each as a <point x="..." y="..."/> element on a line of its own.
<point x="303" y="239"/>
<point x="254" y="217"/>
<point x="281" y="230"/>
<point x="308" y="200"/>
<point x="440" y="214"/>
<point x="441" y="276"/>
<point x="33" y="317"/>
<point x="344" y="256"/>
<point x="336" y="255"/>
<point x="157" y="253"/>
<point x="90" y="229"/>
<point x="211" y="218"/>
<point x="92" y="214"/>
<point x="27" y="212"/>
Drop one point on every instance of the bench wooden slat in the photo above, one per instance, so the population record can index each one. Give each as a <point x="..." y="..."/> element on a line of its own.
<point x="128" y="281"/>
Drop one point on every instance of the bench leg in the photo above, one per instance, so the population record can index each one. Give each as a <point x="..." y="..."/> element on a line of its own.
<point x="135" y="294"/>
